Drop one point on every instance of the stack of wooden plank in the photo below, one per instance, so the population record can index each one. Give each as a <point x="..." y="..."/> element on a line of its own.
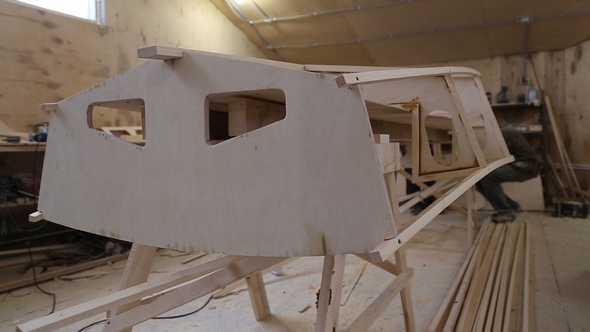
<point x="490" y="292"/>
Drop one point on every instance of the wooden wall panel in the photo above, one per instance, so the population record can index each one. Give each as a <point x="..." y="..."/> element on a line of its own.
<point x="46" y="57"/>
<point x="577" y="107"/>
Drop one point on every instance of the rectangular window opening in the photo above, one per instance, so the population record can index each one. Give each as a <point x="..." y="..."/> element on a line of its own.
<point x="236" y="113"/>
<point x="92" y="10"/>
<point x="124" y="119"/>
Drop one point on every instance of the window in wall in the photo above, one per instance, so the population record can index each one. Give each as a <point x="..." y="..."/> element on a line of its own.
<point x="86" y="9"/>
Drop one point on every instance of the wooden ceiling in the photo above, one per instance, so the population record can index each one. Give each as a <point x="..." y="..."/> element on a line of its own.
<point x="407" y="32"/>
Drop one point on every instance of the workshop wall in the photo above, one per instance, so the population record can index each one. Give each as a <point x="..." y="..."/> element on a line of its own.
<point x="564" y="75"/>
<point x="46" y="57"/>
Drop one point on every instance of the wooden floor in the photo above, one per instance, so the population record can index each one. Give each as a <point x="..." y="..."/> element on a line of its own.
<point x="560" y="285"/>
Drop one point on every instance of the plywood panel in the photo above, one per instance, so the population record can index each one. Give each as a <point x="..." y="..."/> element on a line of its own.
<point x="310" y="184"/>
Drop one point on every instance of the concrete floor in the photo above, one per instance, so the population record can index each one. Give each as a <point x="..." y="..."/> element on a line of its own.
<point x="560" y="285"/>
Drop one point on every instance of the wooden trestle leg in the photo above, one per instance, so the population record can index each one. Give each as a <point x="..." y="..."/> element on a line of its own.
<point x="328" y="301"/>
<point x="400" y="255"/>
<point x="137" y="271"/>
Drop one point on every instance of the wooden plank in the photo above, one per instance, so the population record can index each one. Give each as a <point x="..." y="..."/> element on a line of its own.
<point x="36" y="216"/>
<point x="481" y="248"/>
<point x="471" y="216"/>
<point x="389" y="156"/>
<point x="348" y="80"/>
<point x="489" y="297"/>
<point x="137" y="271"/>
<point x="258" y="295"/>
<point x="190" y="292"/>
<point x="496" y="303"/>
<point x="401" y="264"/>
<point x="498" y="315"/>
<point x="60" y="272"/>
<point x="374" y="310"/>
<point x="471" y="305"/>
<point x="387" y="265"/>
<point x="330" y="291"/>
<point x="324" y="297"/>
<point x="526" y="283"/>
<point x="508" y="311"/>
<point x="452" y="295"/>
<point x="159" y="53"/>
<point x="336" y="291"/>
<point x="48" y="107"/>
<point x="73" y="314"/>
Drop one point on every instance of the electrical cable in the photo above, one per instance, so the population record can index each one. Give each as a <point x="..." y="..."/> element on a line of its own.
<point x="92" y="324"/>
<point x="188" y="313"/>
<point x="165" y="317"/>
<point x="35" y="280"/>
<point x="42" y="223"/>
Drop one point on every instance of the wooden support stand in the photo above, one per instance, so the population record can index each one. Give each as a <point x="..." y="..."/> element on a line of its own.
<point x="139" y="299"/>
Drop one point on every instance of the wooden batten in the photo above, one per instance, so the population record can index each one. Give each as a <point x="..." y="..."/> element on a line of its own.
<point x="36" y="216"/>
<point x="347" y="80"/>
<point x="49" y="107"/>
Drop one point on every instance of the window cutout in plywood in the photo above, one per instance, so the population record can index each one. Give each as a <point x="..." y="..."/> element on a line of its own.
<point x="442" y="149"/>
<point x="124" y="119"/>
<point x="233" y="114"/>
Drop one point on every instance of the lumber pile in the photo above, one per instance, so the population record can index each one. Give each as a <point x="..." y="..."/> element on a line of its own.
<point x="490" y="292"/>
